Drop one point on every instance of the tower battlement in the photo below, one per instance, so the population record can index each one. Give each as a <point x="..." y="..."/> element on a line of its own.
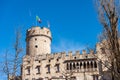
<point x="38" y="31"/>
<point x="38" y="41"/>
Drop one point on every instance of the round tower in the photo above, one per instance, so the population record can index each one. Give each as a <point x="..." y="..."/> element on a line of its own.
<point x="38" y="41"/>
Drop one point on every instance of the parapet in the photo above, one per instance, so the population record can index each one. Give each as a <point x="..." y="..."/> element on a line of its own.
<point x="67" y="56"/>
<point x="38" y="31"/>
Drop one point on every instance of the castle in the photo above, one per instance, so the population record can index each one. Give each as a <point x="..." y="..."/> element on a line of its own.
<point x="40" y="64"/>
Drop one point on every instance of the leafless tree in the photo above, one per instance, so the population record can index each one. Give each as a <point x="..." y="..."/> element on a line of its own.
<point x="67" y="73"/>
<point x="6" y="63"/>
<point x="12" y="61"/>
<point x="109" y="16"/>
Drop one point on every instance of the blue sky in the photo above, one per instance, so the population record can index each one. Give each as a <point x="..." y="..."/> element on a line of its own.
<point x="74" y="23"/>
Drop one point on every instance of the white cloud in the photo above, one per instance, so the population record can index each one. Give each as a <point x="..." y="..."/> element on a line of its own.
<point x="67" y="45"/>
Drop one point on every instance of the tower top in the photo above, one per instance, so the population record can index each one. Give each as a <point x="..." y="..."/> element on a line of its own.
<point x="38" y="41"/>
<point x="38" y="31"/>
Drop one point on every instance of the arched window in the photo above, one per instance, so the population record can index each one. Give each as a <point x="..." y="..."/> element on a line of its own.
<point x="74" y="67"/>
<point x="80" y="65"/>
<point x="84" y="65"/>
<point x="67" y="66"/>
<point x="95" y="64"/>
<point x="88" y="66"/>
<point x="77" y="65"/>
<point x="70" y="66"/>
<point x="91" y="64"/>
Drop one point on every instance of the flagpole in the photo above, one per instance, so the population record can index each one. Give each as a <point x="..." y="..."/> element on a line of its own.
<point x="36" y="21"/>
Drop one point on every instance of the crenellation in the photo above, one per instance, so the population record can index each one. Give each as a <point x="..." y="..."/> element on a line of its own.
<point x="59" y="55"/>
<point x="84" y="52"/>
<point x="63" y="55"/>
<point x="55" y="55"/>
<point x="77" y="54"/>
<point x="70" y="54"/>
<point x="52" y="56"/>
<point x="91" y="52"/>
<point x="47" y="56"/>
<point x="35" y="31"/>
<point x="43" y="57"/>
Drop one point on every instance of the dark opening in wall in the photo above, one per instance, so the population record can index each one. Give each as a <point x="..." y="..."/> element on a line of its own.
<point x="95" y="64"/>
<point x="74" y="57"/>
<point x="49" y="61"/>
<point x="38" y="69"/>
<point x="57" y="59"/>
<point x="36" y="46"/>
<point x="67" y="66"/>
<point x="47" y="32"/>
<point x="86" y="56"/>
<point x="35" y="39"/>
<point x="44" y="40"/>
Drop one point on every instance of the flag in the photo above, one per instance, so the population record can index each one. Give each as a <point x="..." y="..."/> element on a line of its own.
<point x="38" y="19"/>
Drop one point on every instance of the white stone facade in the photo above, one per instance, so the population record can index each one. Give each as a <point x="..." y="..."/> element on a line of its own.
<point x="38" y="41"/>
<point x="40" y="64"/>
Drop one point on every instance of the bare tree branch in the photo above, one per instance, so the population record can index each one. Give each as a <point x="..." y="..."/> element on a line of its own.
<point x="108" y="12"/>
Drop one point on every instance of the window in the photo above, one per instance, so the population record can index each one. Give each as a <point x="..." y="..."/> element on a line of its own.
<point x="95" y="64"/>
<point x="49" y="61"/>
<point x="35" y="39"/>
<point x="88" y="66"/>
<point x="70" y="66"/>
<point x="44" y="40"/>
<point x="67" y="66"/>
<point x="38" y="69"/>
<point x="33" y="78"/>
<point x="91" y="64"/>
<point x="28" y="70"/>
<point x="74" y="57"/>
<point x="74" y="67"/>
<point x="57" y="59"/>
<point x="80" y="65"/>
<point x="36" y="46"/>
<point x="77" y="65"/>
<point x="39" y="61"/>
<point x="39" y="79"/>
<point x="84" y="65"/>
<point x="28" y="62"/>
<point x="57" y="68"/>
<point x="48" y="67"/>
<point x="47" y="32"/>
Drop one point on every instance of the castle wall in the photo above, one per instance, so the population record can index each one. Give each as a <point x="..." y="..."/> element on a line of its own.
<point x="61" y="59"/>
<point x="39" y="63"/>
